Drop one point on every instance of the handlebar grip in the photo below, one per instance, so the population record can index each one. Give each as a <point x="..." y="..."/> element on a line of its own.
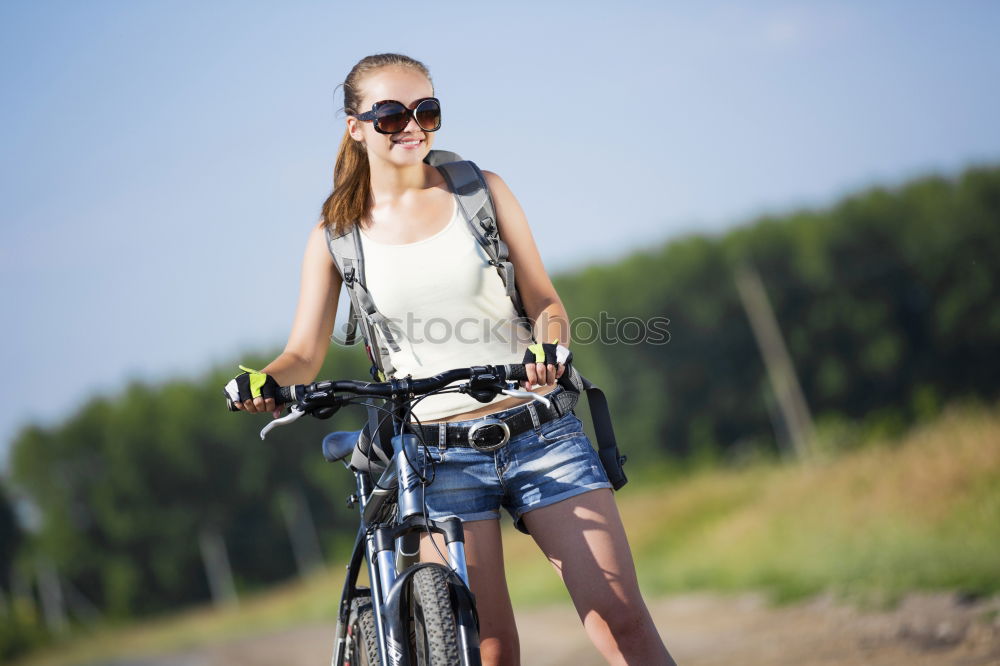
<point x="516" y="372"/>
<point x="285" y="395"/>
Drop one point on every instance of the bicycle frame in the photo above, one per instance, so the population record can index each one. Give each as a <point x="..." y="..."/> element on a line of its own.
<point x="391" y="552"/>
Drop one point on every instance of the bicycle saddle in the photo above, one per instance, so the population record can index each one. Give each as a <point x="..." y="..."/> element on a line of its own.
<point x="338" y="445"/>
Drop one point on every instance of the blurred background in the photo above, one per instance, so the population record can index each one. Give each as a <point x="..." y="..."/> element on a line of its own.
<point x="808" y="191"/>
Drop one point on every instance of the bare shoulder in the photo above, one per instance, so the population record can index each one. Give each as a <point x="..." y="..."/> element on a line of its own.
<point x="317" y="235"/>
<point x="317" y="250"/>
<point x="318" y="231"/>
<point x="497" y="185"/>
<point x="510" y="216"/>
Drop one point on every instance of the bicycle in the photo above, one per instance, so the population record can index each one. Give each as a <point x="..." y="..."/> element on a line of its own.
<point x="412" y="612"/>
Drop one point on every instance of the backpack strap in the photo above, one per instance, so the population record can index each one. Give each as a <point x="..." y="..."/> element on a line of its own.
<point x="439" y="157"/>
<point x="368" y="309"/>
<point x="600" y="415"/>
<point x="343" y="255"/>
<point x="468" y="184"/>
<point x="348" y="255"/>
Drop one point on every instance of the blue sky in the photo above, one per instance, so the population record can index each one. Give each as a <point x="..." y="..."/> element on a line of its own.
<point x="164" y="161"/>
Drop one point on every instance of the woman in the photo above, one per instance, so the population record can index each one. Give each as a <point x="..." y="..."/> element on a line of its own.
<point x="410" y="222"/>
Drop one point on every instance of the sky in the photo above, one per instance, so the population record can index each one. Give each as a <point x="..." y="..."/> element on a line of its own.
<point x="163" y="161"/>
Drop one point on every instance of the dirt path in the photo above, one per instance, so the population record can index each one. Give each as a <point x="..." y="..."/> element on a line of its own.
<point x="703" y="630"/>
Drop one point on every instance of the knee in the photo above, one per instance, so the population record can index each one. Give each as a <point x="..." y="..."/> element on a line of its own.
<point x="627" y="623"/>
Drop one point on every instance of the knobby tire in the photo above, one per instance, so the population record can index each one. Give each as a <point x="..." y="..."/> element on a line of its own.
<point x="433" y="631"/>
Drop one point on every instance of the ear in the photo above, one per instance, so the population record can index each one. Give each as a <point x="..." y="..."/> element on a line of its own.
<point x="354" y="129"/>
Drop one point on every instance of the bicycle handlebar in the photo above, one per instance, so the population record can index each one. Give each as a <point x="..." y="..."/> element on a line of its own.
<point x="323" y="393"/>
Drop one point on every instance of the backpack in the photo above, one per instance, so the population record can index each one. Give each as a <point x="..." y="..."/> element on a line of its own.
<point x="466" y="181"/>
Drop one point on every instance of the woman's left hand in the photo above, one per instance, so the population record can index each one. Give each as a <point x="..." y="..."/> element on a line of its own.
<point x="545" y="363"/>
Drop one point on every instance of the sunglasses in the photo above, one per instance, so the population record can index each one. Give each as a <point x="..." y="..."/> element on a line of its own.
<point x="390" y="116"/>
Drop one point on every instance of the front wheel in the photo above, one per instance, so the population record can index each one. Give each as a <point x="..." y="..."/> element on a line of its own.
<point x="433" y="630"/>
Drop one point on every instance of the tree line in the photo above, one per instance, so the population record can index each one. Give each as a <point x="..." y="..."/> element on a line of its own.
<point x="886" y="302"/>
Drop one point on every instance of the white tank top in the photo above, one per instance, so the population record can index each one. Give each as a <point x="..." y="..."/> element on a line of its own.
<point x="448" y="308"/>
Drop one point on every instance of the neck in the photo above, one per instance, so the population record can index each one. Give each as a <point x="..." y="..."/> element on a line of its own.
<point x="390" y="182"/>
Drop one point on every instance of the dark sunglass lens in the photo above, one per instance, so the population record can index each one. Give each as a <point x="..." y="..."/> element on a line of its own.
<point x="428" y="115"/>
<point x="392" y="118"/>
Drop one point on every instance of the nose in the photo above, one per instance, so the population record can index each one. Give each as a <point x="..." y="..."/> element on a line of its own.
<point x="411" y="122"/>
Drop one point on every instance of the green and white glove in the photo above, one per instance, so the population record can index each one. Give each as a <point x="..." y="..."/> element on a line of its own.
<point x="547" y="353"/>
<point x="251" y="384"/>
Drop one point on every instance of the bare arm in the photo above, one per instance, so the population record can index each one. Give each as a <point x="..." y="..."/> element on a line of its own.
<point x="319" y="291"/>
<point x="538" y="295"/>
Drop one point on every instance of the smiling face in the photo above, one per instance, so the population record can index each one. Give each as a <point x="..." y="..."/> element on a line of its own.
<point x="403" y="84"/>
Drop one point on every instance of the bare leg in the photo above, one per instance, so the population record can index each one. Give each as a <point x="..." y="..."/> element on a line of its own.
<point x="484" y="556"/>
<point x="585" y="541"/>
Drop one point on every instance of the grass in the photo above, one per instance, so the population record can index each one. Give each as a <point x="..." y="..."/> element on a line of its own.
<point x="917" y="513"/>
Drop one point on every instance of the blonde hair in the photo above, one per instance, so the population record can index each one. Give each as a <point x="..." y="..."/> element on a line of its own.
<point x="350" y="200"/>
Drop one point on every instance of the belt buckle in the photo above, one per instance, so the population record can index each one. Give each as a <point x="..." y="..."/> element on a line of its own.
<point x="483" y="436"/>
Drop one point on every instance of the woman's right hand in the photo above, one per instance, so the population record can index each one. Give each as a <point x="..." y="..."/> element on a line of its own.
<point x="253" y="391"/>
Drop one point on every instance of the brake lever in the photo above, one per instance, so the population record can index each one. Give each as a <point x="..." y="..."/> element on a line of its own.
<point x="518" y="393"/>
<point x="294" y="414"/>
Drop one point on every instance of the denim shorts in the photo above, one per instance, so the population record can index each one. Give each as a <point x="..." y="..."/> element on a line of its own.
<point x="537" y="467"/>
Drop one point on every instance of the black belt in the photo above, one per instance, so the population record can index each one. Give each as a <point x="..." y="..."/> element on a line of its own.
<point x="487" y="430"/>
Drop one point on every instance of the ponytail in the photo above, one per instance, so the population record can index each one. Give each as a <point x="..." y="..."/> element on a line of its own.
<point x="351" y="197"/>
